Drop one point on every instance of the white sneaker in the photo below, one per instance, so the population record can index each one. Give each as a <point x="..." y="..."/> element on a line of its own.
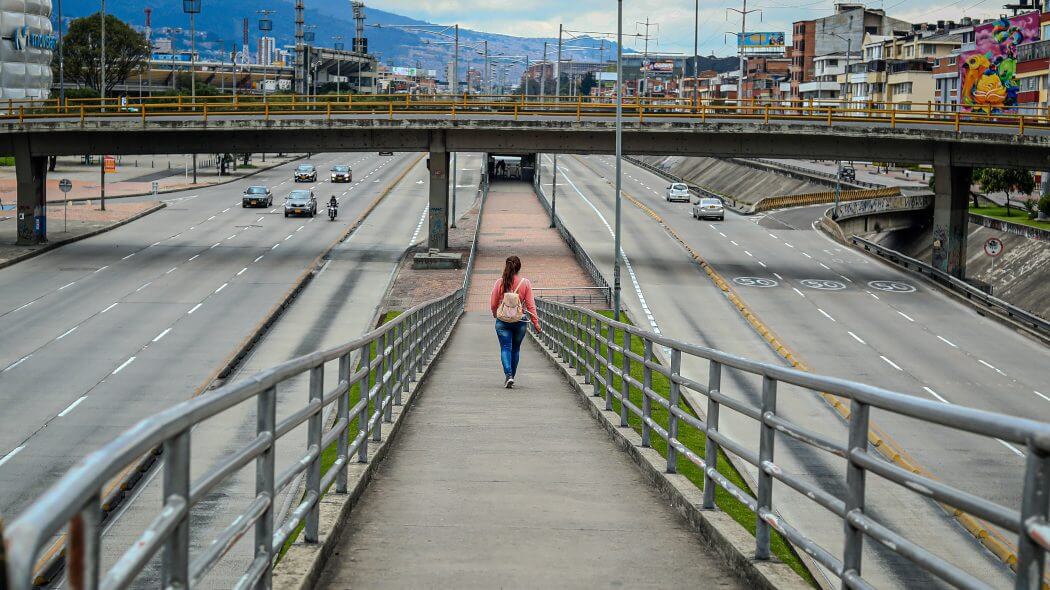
<point x="510" y="383"/>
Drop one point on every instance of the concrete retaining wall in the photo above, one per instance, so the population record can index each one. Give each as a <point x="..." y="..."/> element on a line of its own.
<point x="724" y="177"/>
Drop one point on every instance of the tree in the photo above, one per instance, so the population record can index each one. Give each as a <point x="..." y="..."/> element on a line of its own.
<point x="126" y="51"/>
<point x="587" y="83"/>
<point x="1004" y="180"/>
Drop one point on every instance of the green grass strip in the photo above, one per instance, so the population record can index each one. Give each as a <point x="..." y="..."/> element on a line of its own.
<point x="1017" y="215"/>
<point x="331" y="452"/>
<point x="696" y="440"/>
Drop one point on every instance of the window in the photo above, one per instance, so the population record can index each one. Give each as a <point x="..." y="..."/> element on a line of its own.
<point x="1031" y="84"/>
<point x="909" y="51"/>
<point x="929" y="49"/>
<point x="901" y="88"/>
<point x="952" y="60"/>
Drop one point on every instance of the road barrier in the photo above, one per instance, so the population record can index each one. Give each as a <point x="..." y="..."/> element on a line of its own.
<point x="586" y="342"/>
<point x="326" y="107"/>
<point x="1018" y="229"/>
<point x="1025" y="318"/>
<point x="769" y="203"/>
<point x="403" y="348"/>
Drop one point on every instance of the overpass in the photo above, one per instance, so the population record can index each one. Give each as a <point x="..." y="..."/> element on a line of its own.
<point x="954" y="142"/>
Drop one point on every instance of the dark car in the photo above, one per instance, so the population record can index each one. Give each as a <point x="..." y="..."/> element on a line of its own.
<point x="300" y="202"/>
<point x="306" y="173"/>
<point x="342" y="174"/>
<point x="386" y="153"/>
<point x="257" y="196"/>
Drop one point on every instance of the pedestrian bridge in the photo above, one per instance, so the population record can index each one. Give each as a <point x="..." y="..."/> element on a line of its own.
<point x="486" y="486"/>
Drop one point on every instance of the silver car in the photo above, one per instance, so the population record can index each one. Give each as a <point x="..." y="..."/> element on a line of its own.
<point x="300" y="202"/>
<point x="709" y="208"/>
<point x="677" y="191"/>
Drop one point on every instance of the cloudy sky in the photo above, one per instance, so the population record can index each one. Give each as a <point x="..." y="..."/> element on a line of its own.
<point x="674" y="18"/>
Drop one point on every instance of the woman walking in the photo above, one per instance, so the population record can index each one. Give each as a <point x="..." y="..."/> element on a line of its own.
<point x="510" y="302"/>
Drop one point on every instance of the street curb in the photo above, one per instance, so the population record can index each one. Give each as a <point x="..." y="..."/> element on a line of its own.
<point x="878" y="439"/>
<point x="52" y="245"/>
<point x="733" y="544"/>
<point x="51" y="563"/>
<point x="189" y="188"/>
<point x="303" y="563"/>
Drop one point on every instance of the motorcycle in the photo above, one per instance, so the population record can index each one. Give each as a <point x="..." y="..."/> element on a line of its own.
<point x="333" y="210"/>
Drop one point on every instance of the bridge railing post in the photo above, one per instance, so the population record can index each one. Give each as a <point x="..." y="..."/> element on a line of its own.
<point x="388" y="374"/>
<point x="610" y="342"/>
<point x="175" y="568"/>
<point x="1031" y="558"/>
<point x="855" y="486"/>
<point x="83" y="561"/>
<point x="364" y="357"/>
<point x="672" y="418"/>
<point x="714" y="385"/>
<point x="765" y="457"/>
<point x="265" y="422"/>
<point x="313" y="441"/>
<point x="343" y="415"/>
<point x="647" y="385"/>
<point x="625" y="384"/>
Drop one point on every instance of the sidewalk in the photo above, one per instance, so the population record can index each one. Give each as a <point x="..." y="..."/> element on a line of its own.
<point x="515" y="223"/>
<point x="490" y="488"/>
<point x="134" y="176"/>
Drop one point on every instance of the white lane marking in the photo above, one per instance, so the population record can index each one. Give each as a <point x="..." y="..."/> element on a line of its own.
<point x="873" y="295"/>
<point x="800" y="294"/>
<point x="231" y="237"/>
<point x="215" y="245"/>
<point x="771" y="235"/>
<point x="1015" y="450"/>
<point x="992" y="367"/>
<point x="16" y="363"/>
<point x="171" y="270"/>
<point x="825" y="266"/>
<point x="192" y="258"/>
<point x="788" y="245"/>
<point x="948" y="342"/>
<point x="111" y="306"/>
<point x="195" y="308"/>
<point x="70" y="407"/>
<point x="21" y="307"/>
<point x="749" y="254"/>
<point x="762" y="263"/>
<point x="143" y="286"/>
<point x="222" y="287"/>
<point x="192" y="227"/>
<point x="723" y="235"/>
<point x="855" y="337"/>
<point x="11" y="455"/>
<point x="825" y="314"/>
<point x="67" y="285"/>
<point x="778" y="276"/>
<point x="1041" y="395"/>
<point x="936" y="395"/>
<point x="847" y="278"/>
<point x="260" y="219"/>
<point x="733" y="242"/>
<point x="210" y="218"/>
<point x="154" y="244"/>
<point x="124" y="364"/>
<point x="162" y="334"/>
<point x="257" y="258"/>
<point x="891" y="363"/>
<point x="225" y="210"/>
<point x="806" y="255"/>
<point x="419" y="227"/>
<point x="905" y="316"/>
<point x="275" y="246"/>
<point x="274" y="210"/>
<point x="712" y="226"/>
<point x="300" y="227"/>
<point x="67" y="332"/>
<point x="242" y="271"/>
<point x="103" y="268"/>
<point x="289" y="237"/>
<point x="128" y="256"/>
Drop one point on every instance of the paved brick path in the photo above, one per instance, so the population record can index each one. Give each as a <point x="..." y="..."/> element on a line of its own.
<point x="514" y="222"/>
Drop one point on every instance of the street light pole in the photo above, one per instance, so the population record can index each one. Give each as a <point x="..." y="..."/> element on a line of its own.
<point x="619" y="155"/>
<point x="193" y="7"/>
<point x="696" y="55"/>
<point x="61" y="60"/>
<point x="455" y="77"/>
<point x="557" y="94"/>
<point x="102" y="94"/>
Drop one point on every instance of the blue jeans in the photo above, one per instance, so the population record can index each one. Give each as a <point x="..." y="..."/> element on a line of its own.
<point x="510" y="337"/>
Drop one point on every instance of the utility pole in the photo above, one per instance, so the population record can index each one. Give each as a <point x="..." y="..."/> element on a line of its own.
<point x="554" y="158"/>
<point x="102" y="94"/>
<point x="696" y="55"/>
<point x="740" y="47"/>
<point x="193" y="7"/>
<point x="300" y="57"/>
<point x="619" y="155"/>
<point x="455" y="85"/>
<point x="61" y="61"/>
<point x="338" y="46"/>
<point x="645" y="61"/>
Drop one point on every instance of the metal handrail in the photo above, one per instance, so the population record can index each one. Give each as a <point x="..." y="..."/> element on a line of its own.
<point x="402" y="349"/>
<point x="1027" y="318"/>
<point x="586" y="341"/>
<point x="947" y="115"/>
<point x="581" y="255"/>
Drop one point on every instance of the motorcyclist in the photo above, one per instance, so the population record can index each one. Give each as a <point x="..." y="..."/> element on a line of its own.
<point x="333" y="203"/>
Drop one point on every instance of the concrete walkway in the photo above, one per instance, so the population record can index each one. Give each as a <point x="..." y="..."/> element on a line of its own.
<point x="495" y="488"/>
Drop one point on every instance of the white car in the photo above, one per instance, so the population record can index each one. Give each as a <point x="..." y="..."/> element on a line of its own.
<point x="709" y="208"/>
<point x="677" y="191"/>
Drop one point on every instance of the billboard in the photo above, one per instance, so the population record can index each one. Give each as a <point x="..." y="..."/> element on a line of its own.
<point x="988" y="74"/>
<point x="413" y="72"/>
<point x="660" y="66"/>
<point x="761" y="39"/>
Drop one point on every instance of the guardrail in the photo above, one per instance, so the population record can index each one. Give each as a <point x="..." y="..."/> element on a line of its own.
<point x="1025" y="318"/>
<point x="826" y="177"/>
<point x="951" y="116"/>
<point x="587" y="342"/>
<point x="768" y="203"/>
<point x="1018" y="229"/>
<point x="863" y="207"/>
<point x="387" y="360"/>
<point x="581" y="255"/>
<point x="575" y="295"/>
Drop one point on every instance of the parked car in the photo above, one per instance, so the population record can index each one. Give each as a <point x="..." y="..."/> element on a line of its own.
<point x="300" y="202"/>
<point x="709" y="208"/>
<point x="306" y="173"/>
<point x="849" y="174"/>
<point x="342" y="173"/>
<point x="677" y="191"/>
<point x="385" y="153"/>
<point x="257" y="196"/>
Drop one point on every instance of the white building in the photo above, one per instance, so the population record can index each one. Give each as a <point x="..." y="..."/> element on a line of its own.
<point x="267" y="51"/>
<point x="825" y="85"/>
<point x="25" y="60"/>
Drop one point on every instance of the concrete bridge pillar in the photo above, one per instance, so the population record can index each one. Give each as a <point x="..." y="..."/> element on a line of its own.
<point x="438" y="164"/>
<point x="950" y="213"/>
<point x="31" y="209"/>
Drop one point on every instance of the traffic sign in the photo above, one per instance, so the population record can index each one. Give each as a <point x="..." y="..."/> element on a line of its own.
<point x="109" y="164"/>
<point x="65" y="185"/>
<point x="994" y="247"/>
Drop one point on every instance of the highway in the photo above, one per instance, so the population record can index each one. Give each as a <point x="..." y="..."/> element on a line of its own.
<point x="842" y="314"/>
<point x="101" y="333"/>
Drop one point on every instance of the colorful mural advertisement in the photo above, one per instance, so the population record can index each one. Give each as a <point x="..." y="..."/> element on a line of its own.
<point x="988" y="74"/>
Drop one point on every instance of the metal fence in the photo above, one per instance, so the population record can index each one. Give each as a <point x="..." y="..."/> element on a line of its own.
<point x="965" y="289"/>
<point x="381" y="366"/>
<point x="586" y="342"/>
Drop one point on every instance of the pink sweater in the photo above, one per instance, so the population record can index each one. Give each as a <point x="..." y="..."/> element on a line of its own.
<point x="524" y="288"/>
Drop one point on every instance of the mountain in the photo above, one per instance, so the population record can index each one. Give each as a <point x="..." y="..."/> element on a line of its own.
<point x="219" y="27"/>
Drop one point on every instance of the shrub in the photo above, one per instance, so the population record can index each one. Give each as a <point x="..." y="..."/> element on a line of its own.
<point x="1044" y="205"/>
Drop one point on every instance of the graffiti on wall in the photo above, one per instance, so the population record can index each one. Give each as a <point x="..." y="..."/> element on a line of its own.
<point x="988" y="74"/>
